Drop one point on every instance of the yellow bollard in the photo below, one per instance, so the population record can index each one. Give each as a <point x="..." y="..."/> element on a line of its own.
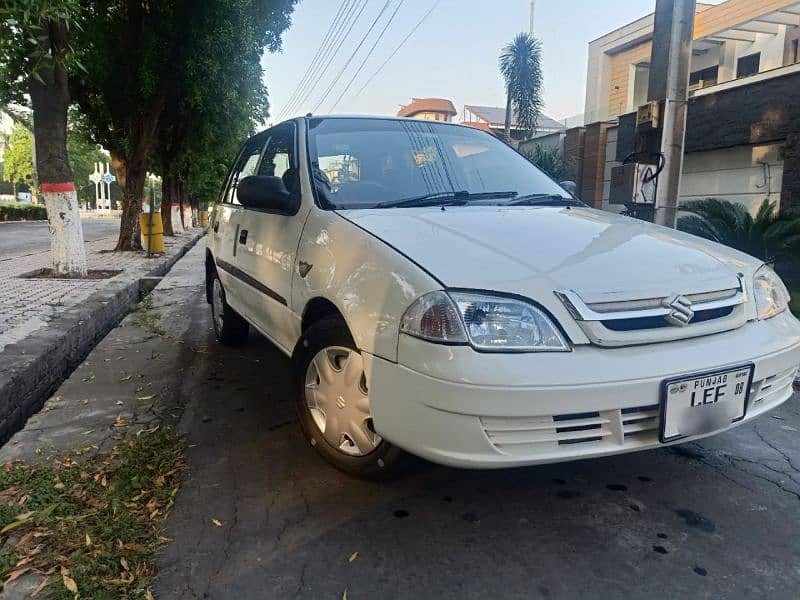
<point x="152" y="233"/>
<point x="203" y="218"/>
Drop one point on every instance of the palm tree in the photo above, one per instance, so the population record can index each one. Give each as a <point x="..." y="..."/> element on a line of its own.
<point x="767" y="236"/>
<point x="521" y="66"/>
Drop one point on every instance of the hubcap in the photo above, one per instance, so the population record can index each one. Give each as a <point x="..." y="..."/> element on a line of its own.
<point x="217" y="305"/>
<point x="338" y="400"/>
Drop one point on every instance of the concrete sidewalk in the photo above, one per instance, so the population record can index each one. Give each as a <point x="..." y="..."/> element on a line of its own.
<point x="47" y="326"/>
<point x="130" y="381"/>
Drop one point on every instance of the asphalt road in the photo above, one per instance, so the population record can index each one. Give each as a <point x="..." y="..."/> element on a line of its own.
<point x="17" y="239"/>
<point x="717" y="519"/>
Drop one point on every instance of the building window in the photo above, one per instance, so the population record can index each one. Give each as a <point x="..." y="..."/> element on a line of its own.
<point x="748" y="65"/>
<point x="703" y="78"/>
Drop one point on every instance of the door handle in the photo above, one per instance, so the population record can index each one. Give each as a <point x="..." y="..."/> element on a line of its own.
<point x="243" y="236"/>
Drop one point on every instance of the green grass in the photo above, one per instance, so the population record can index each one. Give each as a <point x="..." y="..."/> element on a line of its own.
<point x="93" y="521"/>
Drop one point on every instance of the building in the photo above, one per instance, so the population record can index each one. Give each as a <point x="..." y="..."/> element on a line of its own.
<point x="431" y="109"/>
<point x="743" y="129"/>
<point x="493" y="120"/>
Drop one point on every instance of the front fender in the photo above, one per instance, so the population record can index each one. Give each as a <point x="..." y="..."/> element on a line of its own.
<point x="370" y="283"/>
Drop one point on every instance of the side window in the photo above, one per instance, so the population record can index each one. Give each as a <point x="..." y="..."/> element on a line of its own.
<point x="279" y="158"/>
<point x="245" y="166"/>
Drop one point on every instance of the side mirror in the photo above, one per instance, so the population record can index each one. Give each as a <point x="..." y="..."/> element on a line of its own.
<point x="571" y="187"/>
<point x="265" y="193"/>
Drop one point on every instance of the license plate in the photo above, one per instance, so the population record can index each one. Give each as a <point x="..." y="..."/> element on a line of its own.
<point x="703" y="403"/>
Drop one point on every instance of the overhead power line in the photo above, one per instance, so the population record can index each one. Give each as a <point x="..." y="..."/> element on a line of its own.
<point x="354" y="13"/>
<point x="317" y="54"/>
<point x="398" y="48"/>
<point x="366" y="58"/>
<point x="352" y="56"/>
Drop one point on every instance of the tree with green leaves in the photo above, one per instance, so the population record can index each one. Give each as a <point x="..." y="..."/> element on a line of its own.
<point x="768" y="235"/>
<point x="138" y="56"/>
<point x="521" y="67"/>
<point x="18" y="158"/>
<point x="551" y="161"/>
<point x="35" y="60"/>
<point x="82" y="157"/>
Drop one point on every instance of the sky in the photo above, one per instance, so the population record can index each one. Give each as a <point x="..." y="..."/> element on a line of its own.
<point x="453" y="54"/>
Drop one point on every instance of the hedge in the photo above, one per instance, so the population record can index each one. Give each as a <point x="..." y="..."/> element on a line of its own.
<point x="22" y="212"/>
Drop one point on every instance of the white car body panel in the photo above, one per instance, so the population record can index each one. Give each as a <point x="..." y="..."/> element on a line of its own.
<point x="457" y="406"/>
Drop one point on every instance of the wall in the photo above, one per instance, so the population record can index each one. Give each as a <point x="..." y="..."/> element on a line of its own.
<point x="744" y="174"/>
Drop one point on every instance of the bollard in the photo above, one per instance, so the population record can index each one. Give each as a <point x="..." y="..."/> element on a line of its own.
<point x="203" y="218"/>
<point x="152" y="232"/>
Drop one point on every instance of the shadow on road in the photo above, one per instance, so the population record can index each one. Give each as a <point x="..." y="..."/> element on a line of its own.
<point x="711" y="520"/>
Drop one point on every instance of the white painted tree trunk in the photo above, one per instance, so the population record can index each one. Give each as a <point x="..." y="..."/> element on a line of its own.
<point x="66" y="231"/>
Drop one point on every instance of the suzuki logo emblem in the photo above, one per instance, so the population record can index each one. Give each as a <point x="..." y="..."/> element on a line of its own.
<point x="681" y="313"/>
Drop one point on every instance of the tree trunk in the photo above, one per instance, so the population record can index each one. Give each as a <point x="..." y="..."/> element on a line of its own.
<point x="50" y="100"/>
<point x="182" y="203"/>
<point x="131" y="174"/>
<point x="509" y="110"/>
<point x="167" y="198"/>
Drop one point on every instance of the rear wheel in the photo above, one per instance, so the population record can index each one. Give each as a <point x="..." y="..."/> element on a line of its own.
<point x="333" y="404"/>
<point x="229" y="326"/>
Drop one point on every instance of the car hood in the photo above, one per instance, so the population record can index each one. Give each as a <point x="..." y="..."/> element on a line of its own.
<point x="533" y="251"/>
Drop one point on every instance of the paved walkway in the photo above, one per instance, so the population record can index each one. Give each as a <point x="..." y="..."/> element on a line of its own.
<point x="27" y="305"/>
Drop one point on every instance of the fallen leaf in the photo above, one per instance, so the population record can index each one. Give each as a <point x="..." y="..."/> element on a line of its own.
<point x="126" y="378"/>
<point x="18" y="522"/>
<point x="88" y="431"/>
<point x="16" y="573"/>
<point x="150" y="397"/>
<point x="120" y="403"/>
<point x="353" y="556"/>
<point x="217" y="522"/>
<point x="88" y="540"/>
<point x="124" y="563"/>
<point x="344" y="595"/>
<point x="69" y="583"/>
<point x="40" y="587"/>
<point x="148" y="595"/>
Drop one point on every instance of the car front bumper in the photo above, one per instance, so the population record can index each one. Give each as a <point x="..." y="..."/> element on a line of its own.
<point x="458" y="407"/>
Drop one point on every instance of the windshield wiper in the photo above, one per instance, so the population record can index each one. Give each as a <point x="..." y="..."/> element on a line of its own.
<point x="444" y="199"/>
<point x="544" y="200"/>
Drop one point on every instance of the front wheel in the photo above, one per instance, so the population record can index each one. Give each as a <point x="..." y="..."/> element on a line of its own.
<point x="333" y="404"/>
<point x="229" y="326"/>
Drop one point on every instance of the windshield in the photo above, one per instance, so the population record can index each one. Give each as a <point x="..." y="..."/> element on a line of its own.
<point x="369" y="163"/>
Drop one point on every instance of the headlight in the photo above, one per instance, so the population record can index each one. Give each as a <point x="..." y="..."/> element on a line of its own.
<point x="771" y="296"/>
<point x="490" y="323"/>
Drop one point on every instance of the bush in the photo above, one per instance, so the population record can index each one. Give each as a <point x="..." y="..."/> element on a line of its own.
<point x="22" y="212"/>
<point x="550" y="160"/>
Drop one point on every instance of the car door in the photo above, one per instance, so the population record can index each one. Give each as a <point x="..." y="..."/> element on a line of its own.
<point x="224" y="234"/>
<point x="267" y="242"/>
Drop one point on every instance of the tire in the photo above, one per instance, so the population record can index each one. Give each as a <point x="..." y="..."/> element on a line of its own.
<point x="229" y="326"/>
<point x="351" y="445"/>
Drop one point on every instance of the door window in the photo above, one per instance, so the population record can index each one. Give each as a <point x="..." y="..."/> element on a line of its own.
<point x="245" y="166"/>
<point x="279" y="158"/>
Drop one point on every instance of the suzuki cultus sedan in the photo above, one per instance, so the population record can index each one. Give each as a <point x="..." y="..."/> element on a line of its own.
<point x="441" y="296"/>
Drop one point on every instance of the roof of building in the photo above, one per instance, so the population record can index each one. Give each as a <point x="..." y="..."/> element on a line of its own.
<point x="418" y="105"/>
<point x="496" y="115"/>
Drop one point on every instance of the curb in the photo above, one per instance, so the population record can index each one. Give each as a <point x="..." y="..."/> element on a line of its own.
<point x="33" y="368"/>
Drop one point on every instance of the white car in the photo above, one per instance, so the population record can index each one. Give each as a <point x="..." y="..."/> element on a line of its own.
<point x="439" y="295"/>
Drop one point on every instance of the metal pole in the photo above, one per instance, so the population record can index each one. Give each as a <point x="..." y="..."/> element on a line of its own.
<point x="150" y="218"/>
<point x="678" y="16"/>
<point x="533" y="13"/>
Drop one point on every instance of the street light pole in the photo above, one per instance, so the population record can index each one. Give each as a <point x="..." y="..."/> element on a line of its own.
<point x="669" y="83"/>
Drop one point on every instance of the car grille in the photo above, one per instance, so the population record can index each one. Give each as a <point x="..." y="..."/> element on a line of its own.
<point x="772" y="389"/>
<point x="520" y="436"/>
<point x="633" y="427"/>
<point x="651" y="320"/>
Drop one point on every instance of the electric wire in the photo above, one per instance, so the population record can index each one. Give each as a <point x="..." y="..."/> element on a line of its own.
<point x="367" y="57"/>
<point x="398" y="48"/>
<point x="325" y="40"/>
<point x="357" y="9"/>
<point x="352" y="56"/>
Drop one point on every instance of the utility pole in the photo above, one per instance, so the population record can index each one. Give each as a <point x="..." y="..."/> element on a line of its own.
<point x="533" y="14"/>
<point x="669" y="86"/>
